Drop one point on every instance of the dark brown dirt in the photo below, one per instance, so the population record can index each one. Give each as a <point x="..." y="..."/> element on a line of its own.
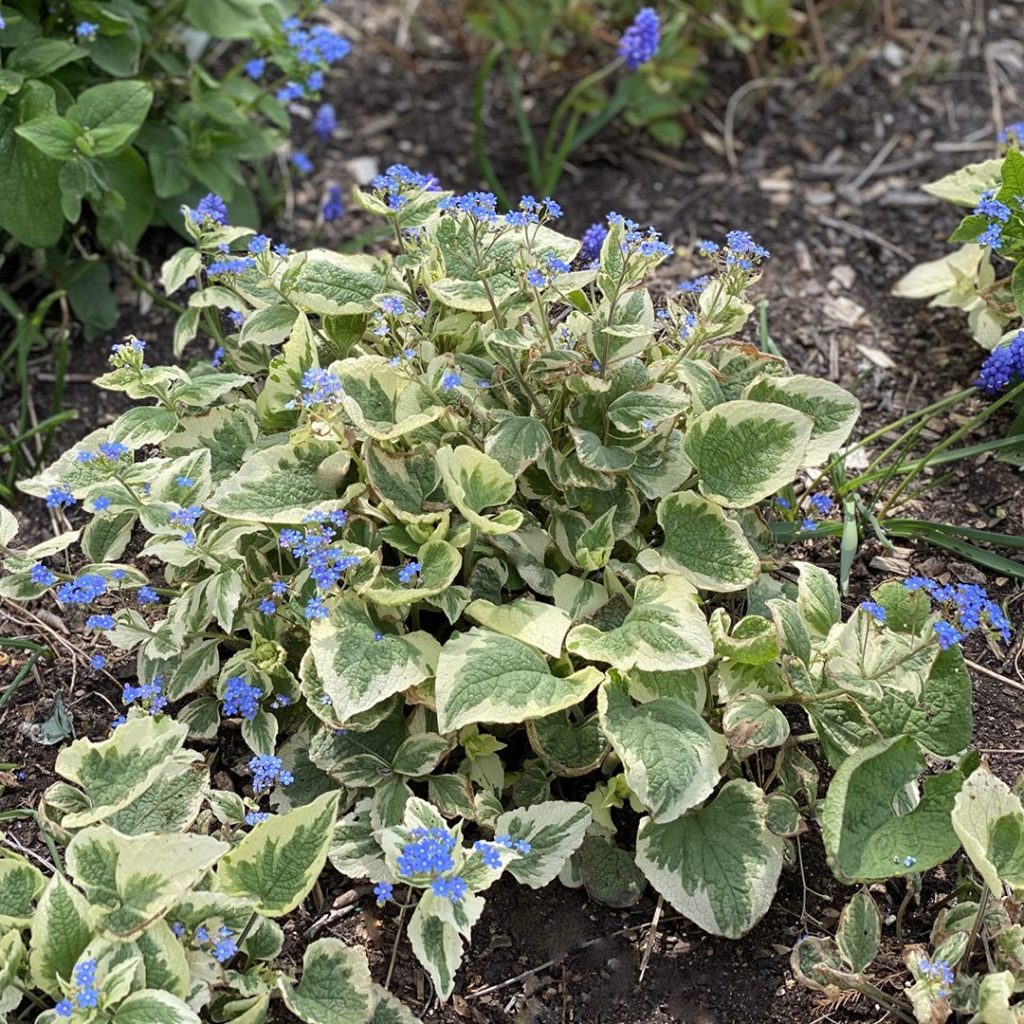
<point x="827" y="179"/>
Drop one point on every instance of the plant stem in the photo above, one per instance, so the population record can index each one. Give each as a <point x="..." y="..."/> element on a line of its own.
<point x="398" y="936"/>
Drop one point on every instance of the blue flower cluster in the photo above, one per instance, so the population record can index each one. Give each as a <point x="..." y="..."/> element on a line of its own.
<point x="490" y="854"/>
<point x="428" y="852"/>
<point x="398" y="182"/>
<point x="481" y="206"/>
<point x="310" y="51"/>
<point x="266" y="770"/>
<point x="59" y="496"/>
<point x="185" y="519"/>
<point x="740" y="251"/>
<point x="240" y="699"/>
<point x="967" y="604"/>
<point x="211" y="209"/>
<point x="86" y="30"/>
<point x="530" y="211"/>
<point x="327" y="563"/>
<point x="325" y="120"/>
<point x="408" y="572"/>
<point x="82" y="590"/>
<point x="591" y="242"/>
<point x="639" y="43"/>
<point x="1003" y="366"/>
<point x="453" y="888"/>
<point x="86" y="995"/>
<point x="940" y="971"/>
<point x="997" y="213"/>
<point x="149" y="696"/>
<point x="647" y="244"/>
<point x="256" y="817"/>
<point x="319" y="387"/>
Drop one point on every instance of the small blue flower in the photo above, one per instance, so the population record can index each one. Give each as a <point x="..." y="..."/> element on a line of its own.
<point x="591" y="242"/>
<point x="325" y="121"/>
<point x="451" y="380"/>
<point x="211" y="207"/>
<point x="315" y="610"/>
<point x="1003" y="366"/>
<point x="809" y="525"/>
<point x="259" y="244"/>
<point x="302" y="163"/>
<point x="639" y="43"/>
<point x="255" y="68"/>
<point x="992" y="236"/>
<point x="42" y="576"/>
<point x="267" y="607"/>
<point x="333" y="208"/>
<point x="224" y="949"/>
<point x="266" y="770"/>
<point x="240" y="699"/>
<point x="875" y="610"/>
<point x="948" y="635"/>
<point x="100" y="622"/>
<point x="147" y="595"/>
<point x="178" y="929"/>
<point x="98" y="662"/>
<point x="408" y="572"/>
<point x="59" y="496"/>
<point x="217" y="360"/>
<point x="86" y="30"/>
<point x="256" y="817"/>
<point x="184" y="481"/>
<point x="384" y="891"/>
<point x="821" y="503"/>
<point x="64" y="1008"/>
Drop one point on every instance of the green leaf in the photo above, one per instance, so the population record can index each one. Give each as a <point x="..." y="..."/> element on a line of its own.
<point x="278" y="862"/>
<point x="965" y="185"/>
<point x="702" y="544"/>
<point x="111" y="113"/>
<point x="106" y="536"/>
<point x="437" y="946"/>
<point x="1017" y="287"/>
<point x="355" y="669"/>
<point x="939" y="718"/>
<point x="744" y="451"/>
<point x="39" y="57"/>
<point x="20" y="885"/>
<point x="872" y="817"/>
<point x="670" y="756"/>
<point x="718" y="865"/>
<point x="116" y="771"/>
<point x="541" y="625"/>
<point x="333" y="284"/>
<point x="859" y="931"/>
<point x="281" y="484"/>
<point x="335" y="987"/>
<point x="171" y="804"/>
<point x="517" y="442"/>
<point x="750" y="723"/>
<point x="405" y="483"/>
<point x="485" y="677"/>
<point x="664" y="631"/>
<point x="554" y="829"/>
<point x="51" y="135"/>
<point x="31" y="210"/>
<point x="61" y="929"/>
<point x="151" y="1006"/>
<point x="474" y="481"/>
<point x="132" y="880"/>
<point x="833" y="409"/>
<point x="440" y="565"/>
<point x="989" y="820"/>
<point x="609" y="873"/>
<point x="388" y="1010"/>
<point x="817" y="599"/>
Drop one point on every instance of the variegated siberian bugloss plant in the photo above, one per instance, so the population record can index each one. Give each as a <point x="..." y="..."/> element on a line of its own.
<point x="470" y="544"/>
